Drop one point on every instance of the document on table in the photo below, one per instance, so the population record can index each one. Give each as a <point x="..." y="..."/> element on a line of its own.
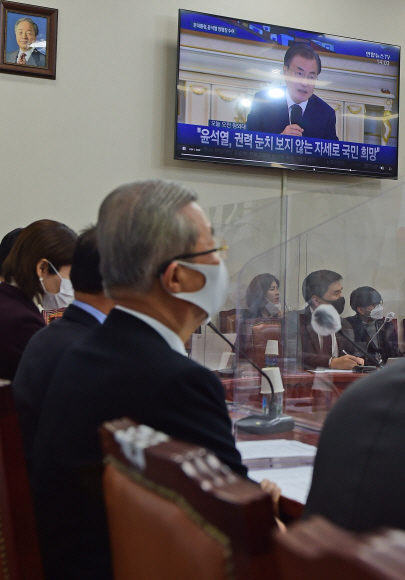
<point x="275" y="449"/>
<point x="294" y="482"/>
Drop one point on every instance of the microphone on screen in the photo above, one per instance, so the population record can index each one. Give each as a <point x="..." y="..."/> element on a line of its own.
<point x="296" y="115"/>
<point x="326" y="321"/>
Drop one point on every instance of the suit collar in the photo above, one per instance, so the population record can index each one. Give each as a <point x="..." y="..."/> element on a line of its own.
<point x="76" y="314"/>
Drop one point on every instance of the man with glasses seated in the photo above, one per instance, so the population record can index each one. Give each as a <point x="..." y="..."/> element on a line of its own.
<point x="376" y="335"/>
<point x="162" y="268"/>
<point x="298" y="112"/>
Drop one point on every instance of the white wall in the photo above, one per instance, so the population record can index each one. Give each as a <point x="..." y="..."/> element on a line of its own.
<point x="108" y="118"/>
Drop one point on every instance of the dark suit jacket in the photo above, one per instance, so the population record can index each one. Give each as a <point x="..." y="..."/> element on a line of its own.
<point x="311" y="351"/>
<point x="269" y="115"/>
<point x="20" y="319"/>
<point x="36" y="58"/>
<point x="122" y="368"/>
<point x="387" y="338"/>
<point x="38" y="363"/>
<point x="359" y="474"/>
<point x="301" y="343"/>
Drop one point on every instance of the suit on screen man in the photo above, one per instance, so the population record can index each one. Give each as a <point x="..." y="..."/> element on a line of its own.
<point x="160" y="265"/>
<point x="26" y="32"/>
<point x="268" y="114"/>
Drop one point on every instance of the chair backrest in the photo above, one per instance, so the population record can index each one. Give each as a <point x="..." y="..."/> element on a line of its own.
<point x="19" y="549"/>
<point x="317" y="549"/>
<point x="227" y="320"/>
<point x="257" y="332"/>
<point x="176" y="512"/>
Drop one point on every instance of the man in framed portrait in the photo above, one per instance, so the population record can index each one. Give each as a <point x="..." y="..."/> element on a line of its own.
<point x="26" y="32"/>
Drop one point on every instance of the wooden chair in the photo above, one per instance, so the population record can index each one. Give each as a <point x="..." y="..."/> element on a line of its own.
<point x="19" y="549"/>
<point x="227" y="320"/>
<point x="257" y="332"/>
<point x="318" y="550"/>
<point x="176" y="512"/>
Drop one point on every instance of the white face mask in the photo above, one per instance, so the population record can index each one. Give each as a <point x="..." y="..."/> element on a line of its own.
<point x="376" y="313"/>
<point x="213" y="294"/>
<point x="61" y="299"/>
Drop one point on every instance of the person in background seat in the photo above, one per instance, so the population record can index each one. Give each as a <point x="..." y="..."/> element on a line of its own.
<point x="377" y="335"/>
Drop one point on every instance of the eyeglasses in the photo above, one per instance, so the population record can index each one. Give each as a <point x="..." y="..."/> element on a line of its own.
<point x="221" y="250"/>
<point x="300" y="75"/>
<point x="375" y="305"/>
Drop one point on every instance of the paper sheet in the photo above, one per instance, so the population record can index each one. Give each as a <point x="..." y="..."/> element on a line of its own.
<point x="274" y="448"/>
<point x="294" y="482"/>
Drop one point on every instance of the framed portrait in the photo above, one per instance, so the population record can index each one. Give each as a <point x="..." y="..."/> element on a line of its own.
<point x="28" y="37"/>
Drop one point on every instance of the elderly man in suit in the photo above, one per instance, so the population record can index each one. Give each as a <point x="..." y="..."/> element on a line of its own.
<point x="315" y="118"/>
<point x="46" y="348"/>
<point x="161" y="267"/>
<point x="26" y="32"/>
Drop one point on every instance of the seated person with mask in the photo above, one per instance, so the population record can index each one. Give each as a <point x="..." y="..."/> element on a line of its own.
<point x="376" y="335"/>
<point x="263" y="297"/>
<point x="323" y="287"/>
<point x="47" y="347"/>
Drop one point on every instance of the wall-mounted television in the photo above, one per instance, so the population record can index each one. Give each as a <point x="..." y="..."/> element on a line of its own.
<point x="266" y="95"/>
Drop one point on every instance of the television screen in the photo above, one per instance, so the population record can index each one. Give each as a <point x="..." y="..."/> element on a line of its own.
<point x="266" y="95"/>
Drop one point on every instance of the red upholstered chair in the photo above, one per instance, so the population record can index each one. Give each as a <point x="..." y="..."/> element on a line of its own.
<point x="257" y="331"/>
<point x="19" y="549"/>
<point x="318" y="550"/>
<point x="175" y="512"/>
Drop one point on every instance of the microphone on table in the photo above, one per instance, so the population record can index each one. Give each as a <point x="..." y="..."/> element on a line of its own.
<point x="264" y="423"/>
<point x="296" y="115"/>
<point x="326" y="321"/>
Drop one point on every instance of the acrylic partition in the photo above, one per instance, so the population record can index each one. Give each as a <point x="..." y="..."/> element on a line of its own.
<point x="269" y="245"/>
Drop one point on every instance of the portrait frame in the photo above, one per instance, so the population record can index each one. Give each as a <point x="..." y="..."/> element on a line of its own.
<point x="46" y="22"/>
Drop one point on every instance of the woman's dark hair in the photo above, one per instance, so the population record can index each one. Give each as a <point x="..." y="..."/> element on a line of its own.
<point x="42" y="239"/>
<point x="257" y="290"/>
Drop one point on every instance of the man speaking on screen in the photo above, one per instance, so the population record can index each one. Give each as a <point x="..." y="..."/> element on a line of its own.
<point x="298" y="112"/>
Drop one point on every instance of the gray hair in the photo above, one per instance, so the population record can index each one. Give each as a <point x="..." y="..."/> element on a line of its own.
<point x="140" y="226"/>
<point x="26" y="19"/>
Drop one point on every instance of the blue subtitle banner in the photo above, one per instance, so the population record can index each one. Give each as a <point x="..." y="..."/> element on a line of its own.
<point x="242" y="140"/>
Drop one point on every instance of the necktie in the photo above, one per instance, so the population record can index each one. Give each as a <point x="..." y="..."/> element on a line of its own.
<point x="21" y="60"/>
<point x="296" y="115"/>
<point x="327" y="345"/>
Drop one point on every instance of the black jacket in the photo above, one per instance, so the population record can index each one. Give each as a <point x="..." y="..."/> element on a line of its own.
<point x="359" y="474"/>
<point x="38" y="363"/>
<point x="122" y="368"/>
<point x="269" y="115"/>
<point x="387" y="338"/>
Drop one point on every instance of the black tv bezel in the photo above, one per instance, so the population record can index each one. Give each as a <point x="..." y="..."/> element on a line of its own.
<point x="271" y="164"/>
